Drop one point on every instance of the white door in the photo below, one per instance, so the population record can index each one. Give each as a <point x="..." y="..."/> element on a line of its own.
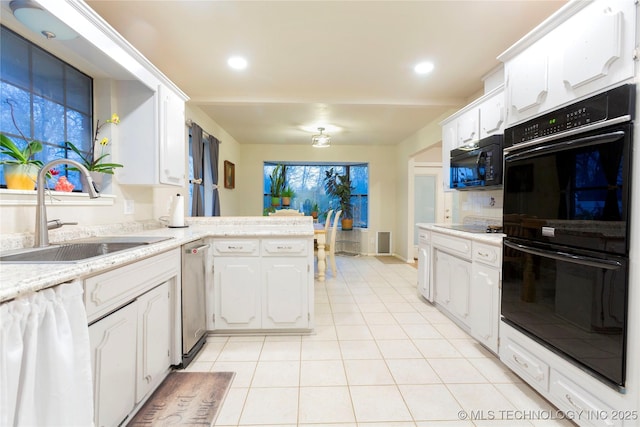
<point x="238" y="295"/>
<point x="285" y="299"/>
<point x="427" y="200"/>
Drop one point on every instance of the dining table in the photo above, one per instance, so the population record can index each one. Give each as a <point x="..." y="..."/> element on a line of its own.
<point x="320" y="237"/>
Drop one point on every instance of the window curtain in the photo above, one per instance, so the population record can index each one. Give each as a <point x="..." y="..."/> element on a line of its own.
<point x="214" y="156"/>
<point x="45" y="360"/>
<point x="197" y="153"/>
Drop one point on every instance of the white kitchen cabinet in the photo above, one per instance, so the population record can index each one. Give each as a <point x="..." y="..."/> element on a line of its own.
<point x="173" y="138"/>
<point x="154" y="335"/>
<point x="453" y="277"/>
<point x="425" y="287"/>
<point x="113" y="349"/>
<point x="492" y="114"/>
<point x="152" y="132"/>
<point x="583" y="49"/>
<point x="237" y="292"/>
<point x="262" y="284"/>
<point x="587" y="399"/>
<point x="132" y="332"/>
<point x="468" y="127"/>
<point x="285" y="299"/>
<point x="485" y="294"/>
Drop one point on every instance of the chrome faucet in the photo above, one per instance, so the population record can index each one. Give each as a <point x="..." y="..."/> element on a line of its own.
<point x="42" y="225"/>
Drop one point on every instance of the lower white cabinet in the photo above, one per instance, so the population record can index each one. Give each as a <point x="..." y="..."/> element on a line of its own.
<point x="261" y="284"/>
<point x="113" y="345"/>
<point x="237" y="292"/>
<point x="485" y="294"/>
<point x="453" y="278"/>
<point x="466" y="276"/>
<point x="154" y="327"/>
<point x="425" y="287"/>
<point x="285" y="299"/>
<point x="132" y="333"/>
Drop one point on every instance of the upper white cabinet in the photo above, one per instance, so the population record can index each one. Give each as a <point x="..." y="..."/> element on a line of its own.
<point x="482" y="118"/>
<point x="581" y="50"/>
<point x="152" y="135"/>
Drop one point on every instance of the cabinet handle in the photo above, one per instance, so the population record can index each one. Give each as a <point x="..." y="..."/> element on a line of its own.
<point x="520" y="362"/>
<point x="284" y="247"/>
<point x="483" y="254"/>
<point x="148" y="379"/>
<point x="578" y="407"/>
<point x="234" y="247"/>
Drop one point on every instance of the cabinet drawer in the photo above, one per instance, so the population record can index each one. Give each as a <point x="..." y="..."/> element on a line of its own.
<point x="487" y="254"/>
<point x="572" y="398"/>
<point x="289" y="247"/>
<point x="248" y="247"/>
<point x="453" y="245"/>
<point x="525" y="364"/>
<point x="424" y="237"/>
<point x="108" y="291"/>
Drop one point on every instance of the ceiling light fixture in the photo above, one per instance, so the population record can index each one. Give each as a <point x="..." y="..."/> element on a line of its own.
<point x="39" y="20"/>
<point x="423" y="67"/>
<point x="237" y="63"/>
<point x="321" y="140"/>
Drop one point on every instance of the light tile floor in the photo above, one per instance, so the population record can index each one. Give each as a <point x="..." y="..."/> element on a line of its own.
<point x="380" y="357"/>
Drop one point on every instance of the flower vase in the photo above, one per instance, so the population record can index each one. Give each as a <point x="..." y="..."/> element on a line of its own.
<point x="21" y="176"/>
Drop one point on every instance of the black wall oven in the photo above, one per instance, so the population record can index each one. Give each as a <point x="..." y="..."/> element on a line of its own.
<point x="566" y="219"/>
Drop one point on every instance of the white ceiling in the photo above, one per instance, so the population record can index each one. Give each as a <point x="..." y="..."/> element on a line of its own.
<point x="344" y="63"/>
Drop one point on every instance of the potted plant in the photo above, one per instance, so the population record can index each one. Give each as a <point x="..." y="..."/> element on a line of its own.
<point x="287" y="195"/>
<point x="20" y="166"/>
<point x="339" y="186"/>
<point x="314" y="211"/>
<point x="277" y="184"/>
<point x="96" y="164"/>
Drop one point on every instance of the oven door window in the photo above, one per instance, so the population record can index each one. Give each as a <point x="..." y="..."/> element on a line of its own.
<point x="574" y="304"/>
<point x="578" y="188"/>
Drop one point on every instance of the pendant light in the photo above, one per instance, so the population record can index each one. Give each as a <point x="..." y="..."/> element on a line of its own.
<point x="321" y="140"/>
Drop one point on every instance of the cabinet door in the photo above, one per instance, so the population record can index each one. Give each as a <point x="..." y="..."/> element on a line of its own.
<point x="172" y="138"/>
<point x="485" y="305"/>
<point x="154" y="334"/>
<point x="113" y="358"/>
<point x="527" y="82"/>
<point x="285" y="299"/>
<point x="449" y="142"/>
<point x="424" y="271"/>
<point x="442" y="278"/>
<point x="468" y="127"/>
<point x="460" y="286"/>
<point x="492" y="115"/>
<point x="237" y="290"/>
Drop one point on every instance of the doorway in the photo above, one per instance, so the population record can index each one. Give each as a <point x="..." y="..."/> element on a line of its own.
<point x="426" y="198"/>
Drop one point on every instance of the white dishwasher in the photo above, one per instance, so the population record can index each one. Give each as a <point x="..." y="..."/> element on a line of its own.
<point x="194" y="259"/>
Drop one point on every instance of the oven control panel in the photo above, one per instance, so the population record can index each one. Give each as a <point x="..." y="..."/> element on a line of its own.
<point x="608" y="105"/>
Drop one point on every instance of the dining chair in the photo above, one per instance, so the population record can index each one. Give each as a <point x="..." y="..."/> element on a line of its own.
<point x="331" y="250"/>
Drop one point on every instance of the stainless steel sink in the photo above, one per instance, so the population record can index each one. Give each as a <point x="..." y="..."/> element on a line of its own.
<point x="79" y="250"/>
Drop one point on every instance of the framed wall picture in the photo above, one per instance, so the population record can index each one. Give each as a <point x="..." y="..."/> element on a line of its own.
<point x="229" y="174"/>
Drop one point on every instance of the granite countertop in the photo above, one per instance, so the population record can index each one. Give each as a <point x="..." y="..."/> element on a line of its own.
<point x="488" y="238"/>
<point x="19" y="279"/>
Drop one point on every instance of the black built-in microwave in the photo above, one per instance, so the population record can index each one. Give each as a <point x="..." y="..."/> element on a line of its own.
<point x="477" y="166"/>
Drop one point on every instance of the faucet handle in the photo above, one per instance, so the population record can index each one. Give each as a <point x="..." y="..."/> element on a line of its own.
<point x="56" y="223"/>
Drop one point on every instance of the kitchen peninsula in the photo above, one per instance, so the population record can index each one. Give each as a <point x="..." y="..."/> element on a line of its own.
<point x="262" y="280"/>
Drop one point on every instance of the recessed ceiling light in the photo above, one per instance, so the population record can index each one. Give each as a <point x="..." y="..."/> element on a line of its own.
<point x="423" y="67"/>
<point x="237" y="63"/>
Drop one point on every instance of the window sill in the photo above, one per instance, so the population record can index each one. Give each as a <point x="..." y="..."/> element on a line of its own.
<point x="55" y="198"/>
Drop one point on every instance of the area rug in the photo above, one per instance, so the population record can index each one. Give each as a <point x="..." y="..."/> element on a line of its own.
<point x="185" y="398"/>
